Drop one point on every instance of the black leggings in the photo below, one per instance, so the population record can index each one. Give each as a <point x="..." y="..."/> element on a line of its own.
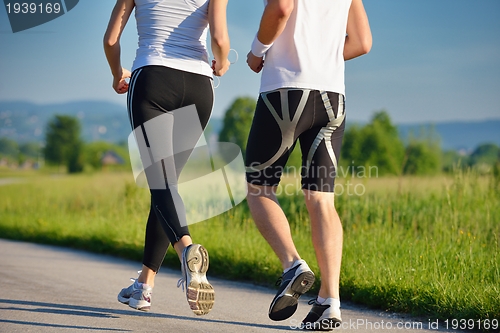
<point x="155" y="91"/>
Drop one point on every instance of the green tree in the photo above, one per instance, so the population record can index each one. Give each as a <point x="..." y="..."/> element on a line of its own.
<point x="423" y="153"/>
<point x="30" y="149"/>
<point x="376" y="144"/>
<point x="237" y="122"/>
<point x="422" y="159"/>
<point x="94" y="152"/>
<point x="75" y="158"/>
<point x="8" y="147"/>
<point x="63" y="145"/>
<point x="451" y="160"/>
<point x="486" y="153"/>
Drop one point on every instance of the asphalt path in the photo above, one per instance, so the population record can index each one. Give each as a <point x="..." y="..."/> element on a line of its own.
<point x="55" y="289"/>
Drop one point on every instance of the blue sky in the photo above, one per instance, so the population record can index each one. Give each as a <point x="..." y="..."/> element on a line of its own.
<point x="431" y="61"/>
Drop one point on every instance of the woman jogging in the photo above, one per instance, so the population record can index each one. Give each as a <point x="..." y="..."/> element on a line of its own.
<point x="171" y="70"/>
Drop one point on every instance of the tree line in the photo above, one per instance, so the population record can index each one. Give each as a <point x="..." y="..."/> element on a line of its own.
<point x="64" y="148"/>
<point x="375" y="144"/>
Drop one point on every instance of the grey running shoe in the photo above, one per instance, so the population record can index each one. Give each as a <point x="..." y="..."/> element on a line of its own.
<point x="293" y="284"/>
<point x="137" y="296"/>
<point x="199" y="292"/>
<point x="323" y="317"/>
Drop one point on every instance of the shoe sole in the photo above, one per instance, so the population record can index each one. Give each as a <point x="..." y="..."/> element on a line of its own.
<point x="200" y="293"/>
<point x="285" y="306"/>
<point x="135" y="304"/>
<point x="123" y="299"/>
<point x="139" y="304"/>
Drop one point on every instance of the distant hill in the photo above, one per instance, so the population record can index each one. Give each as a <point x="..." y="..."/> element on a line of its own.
<point x="24" y="121"/>
<point x="459" y="135"/>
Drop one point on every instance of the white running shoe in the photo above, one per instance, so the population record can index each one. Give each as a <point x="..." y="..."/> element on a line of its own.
<point x="199" y="292"/>
<point x="137" y="296"/>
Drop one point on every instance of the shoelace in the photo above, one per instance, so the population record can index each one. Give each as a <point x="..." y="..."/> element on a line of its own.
<point x="135" y="279"/>
<point x="182" y="282"/>
<point x="279" y="281"/>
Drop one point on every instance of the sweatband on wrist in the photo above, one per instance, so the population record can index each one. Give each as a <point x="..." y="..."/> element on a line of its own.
<point x="259" y="49"/>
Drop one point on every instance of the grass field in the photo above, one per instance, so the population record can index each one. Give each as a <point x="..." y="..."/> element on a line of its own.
<point x="426" y="246"/>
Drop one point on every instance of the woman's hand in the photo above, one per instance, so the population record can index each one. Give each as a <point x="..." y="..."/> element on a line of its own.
<point x="120" y="85"/>
<point x="220" y="67"/>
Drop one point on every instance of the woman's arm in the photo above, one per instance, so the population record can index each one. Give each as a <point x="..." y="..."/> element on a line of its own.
<point x="219" y="36"/>
<point x="359" y="36"/>
<point x="118" y="20"/>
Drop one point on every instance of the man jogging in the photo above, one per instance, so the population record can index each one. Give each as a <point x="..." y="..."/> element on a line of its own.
<point x="300" y="48"/>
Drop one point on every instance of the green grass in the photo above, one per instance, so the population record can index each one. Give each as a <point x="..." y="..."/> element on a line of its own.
<point x="426" y="246"/>
<point x="434" y="252"/>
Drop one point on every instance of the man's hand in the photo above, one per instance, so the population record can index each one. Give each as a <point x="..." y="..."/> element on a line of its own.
<point x="255" y="63"/>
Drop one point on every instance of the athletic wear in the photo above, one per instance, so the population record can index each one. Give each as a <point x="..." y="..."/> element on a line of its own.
<point x="154" y="91"/>
<point x="173" y="33"/>
<point x="199" y="292"/>
<point x="323" y="317"/>
<point x="302" y="96"/>
<point x="137" y="296"/>
<point x="309" y="51"/>
<point x="170" y="71"/>
<point x="293" y="283"/>
<point x="285" y="115"/>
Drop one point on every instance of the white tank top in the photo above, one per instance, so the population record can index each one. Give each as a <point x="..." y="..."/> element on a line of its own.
<point x="173" y="33"/>
<point x="309" y="52"/>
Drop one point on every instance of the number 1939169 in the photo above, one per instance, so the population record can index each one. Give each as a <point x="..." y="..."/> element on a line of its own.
<point x="472" y="324"/>
<point x="33" y="8"/>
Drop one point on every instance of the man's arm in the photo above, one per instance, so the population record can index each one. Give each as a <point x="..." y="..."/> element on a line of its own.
<point x="272" y="24"/>
<point x="274" y="18"/>
<point x="359" y="36"/>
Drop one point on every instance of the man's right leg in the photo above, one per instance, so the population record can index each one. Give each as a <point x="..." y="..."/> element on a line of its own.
<point x="272" y="223"/>
<point x="270" y="143"/>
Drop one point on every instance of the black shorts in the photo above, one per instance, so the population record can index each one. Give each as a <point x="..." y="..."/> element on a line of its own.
<point x="316" y="118"/>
